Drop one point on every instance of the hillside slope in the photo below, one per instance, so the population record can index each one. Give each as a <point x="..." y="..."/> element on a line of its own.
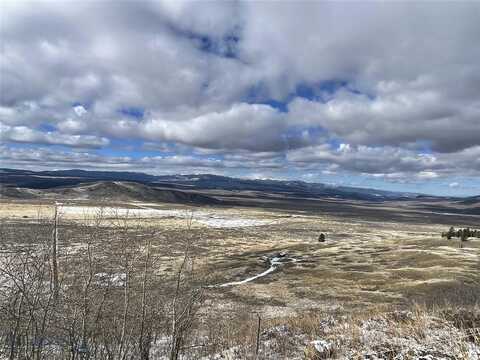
<point x="130" y="191"/>
<point x="111" y="191"/>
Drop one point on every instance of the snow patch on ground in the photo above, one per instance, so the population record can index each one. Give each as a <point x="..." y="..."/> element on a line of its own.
<point x="203" y="217"/>
<point x="219" y="222"/>
<point x="115" y="279"/>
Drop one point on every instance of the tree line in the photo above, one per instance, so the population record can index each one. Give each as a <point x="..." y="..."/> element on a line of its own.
<point x="462" y="234"/>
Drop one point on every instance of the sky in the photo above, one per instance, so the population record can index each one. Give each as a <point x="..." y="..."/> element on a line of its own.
<point x="370" y="94"/>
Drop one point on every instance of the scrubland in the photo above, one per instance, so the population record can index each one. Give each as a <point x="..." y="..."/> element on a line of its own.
<point x="140" y="281"/>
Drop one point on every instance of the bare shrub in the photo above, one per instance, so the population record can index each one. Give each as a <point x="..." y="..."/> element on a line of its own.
<point x="93" y="290"/>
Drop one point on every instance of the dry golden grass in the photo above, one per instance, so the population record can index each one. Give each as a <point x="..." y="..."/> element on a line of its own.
<point x="352" y="287"/>
<point x="362" y="264"/>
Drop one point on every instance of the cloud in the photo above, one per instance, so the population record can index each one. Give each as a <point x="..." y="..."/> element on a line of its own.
<point x="239" y="127"/>
<point x="23" y="134"/>
<point x="79" y="110"/>
<point x="396" y="82"/>
<point x="46" y="158"/>
<point x="387" y="162"/>
<point x="427" y="175"/>
<point x="400" y="117"/>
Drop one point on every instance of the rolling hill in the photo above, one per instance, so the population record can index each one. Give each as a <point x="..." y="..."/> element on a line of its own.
<point x="68" y="178"/>
<point x="131" y="191"/>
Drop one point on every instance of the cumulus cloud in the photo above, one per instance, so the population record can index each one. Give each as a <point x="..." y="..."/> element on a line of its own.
<point x="46" y="158"/>
<point x="394" y="118"/>
<point x="389" y="162"/>
<point x="398" y="82"/>
<point x="23" y="134"/>
<point x="79" y="110"/>
<point x="241" y="126"/>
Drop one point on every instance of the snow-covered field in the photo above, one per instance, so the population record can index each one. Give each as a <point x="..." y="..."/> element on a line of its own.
<point x="223" y="222"/>
<point x="208" y="218"/>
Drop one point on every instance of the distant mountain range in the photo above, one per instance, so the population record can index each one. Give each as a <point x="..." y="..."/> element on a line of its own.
<point x="17" y="179"/>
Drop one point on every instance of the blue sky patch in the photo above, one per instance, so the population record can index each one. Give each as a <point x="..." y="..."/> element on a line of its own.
<point x="134" y="112"/>
<point x="47" y="127"/>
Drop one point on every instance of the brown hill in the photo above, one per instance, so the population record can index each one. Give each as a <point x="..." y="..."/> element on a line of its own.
<point x="131" y="191"/>
<point x="111" y="191"/>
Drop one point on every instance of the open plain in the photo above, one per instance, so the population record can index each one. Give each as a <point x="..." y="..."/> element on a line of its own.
<point x="390" y="256"/>
<point x="324" y="276"/>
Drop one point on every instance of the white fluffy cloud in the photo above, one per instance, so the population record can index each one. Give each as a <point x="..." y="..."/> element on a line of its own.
<point x="389" y="162"/>
<point x="238" y="127"/>
<point x="46" y="158"/>
<point x="23" y="134"/>
<point x="394" y="80"/>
